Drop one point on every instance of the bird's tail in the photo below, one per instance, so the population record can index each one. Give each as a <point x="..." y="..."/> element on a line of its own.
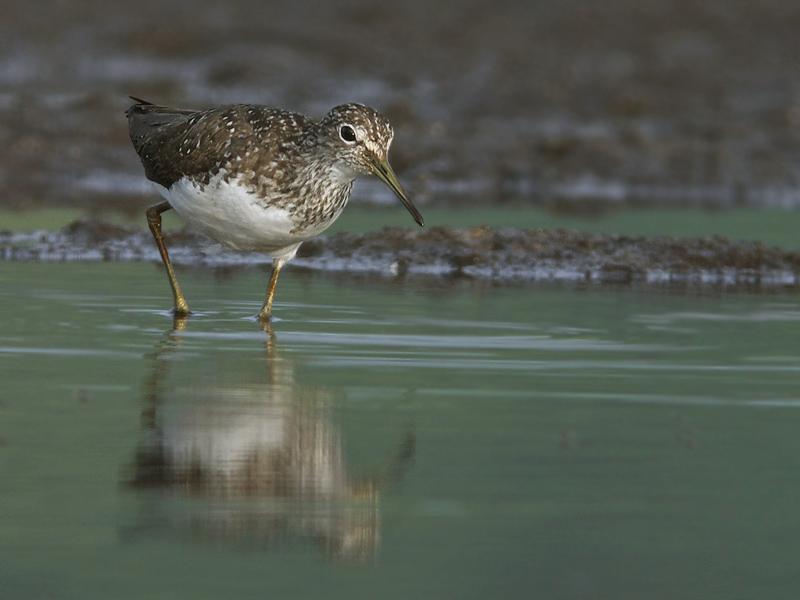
<point x="145" y="117"/>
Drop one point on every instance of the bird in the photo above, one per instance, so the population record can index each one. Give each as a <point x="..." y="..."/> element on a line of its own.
<point x="257" y="178"/>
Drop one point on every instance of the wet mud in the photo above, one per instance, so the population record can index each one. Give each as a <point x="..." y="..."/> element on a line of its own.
<point x="498" y="255"/>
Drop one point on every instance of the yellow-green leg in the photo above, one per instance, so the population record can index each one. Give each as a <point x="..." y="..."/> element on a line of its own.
<point x="154" y="222"/>
<point x="265" y="314"/>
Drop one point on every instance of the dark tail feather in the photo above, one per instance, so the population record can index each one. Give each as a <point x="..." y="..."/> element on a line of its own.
<point x="140" y="101"/>
<point x="143" y="107"/>
<point x="144" y="116"/>
<point x="145" y="119"/>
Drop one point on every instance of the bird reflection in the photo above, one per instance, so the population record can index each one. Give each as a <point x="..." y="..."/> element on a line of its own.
<point x="262" y="455"/>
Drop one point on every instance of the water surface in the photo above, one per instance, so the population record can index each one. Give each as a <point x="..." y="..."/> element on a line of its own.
<point x="427" y="439"/>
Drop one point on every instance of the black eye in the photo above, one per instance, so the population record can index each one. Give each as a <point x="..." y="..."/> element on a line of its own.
<point x="347" y="134"/>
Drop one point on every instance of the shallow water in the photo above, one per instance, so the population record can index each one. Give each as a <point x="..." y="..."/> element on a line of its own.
<point x="388" y="440"/>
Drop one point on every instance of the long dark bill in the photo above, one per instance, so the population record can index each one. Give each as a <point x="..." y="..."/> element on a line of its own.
<point x="383" y="171"/>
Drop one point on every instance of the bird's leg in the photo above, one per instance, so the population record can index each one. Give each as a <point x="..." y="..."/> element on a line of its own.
<point x="265" y="314"/>
<point x="154" y="222"/>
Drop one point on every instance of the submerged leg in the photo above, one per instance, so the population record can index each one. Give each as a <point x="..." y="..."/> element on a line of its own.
<point x="154" y="222"/>
<point x="265" y="314"/>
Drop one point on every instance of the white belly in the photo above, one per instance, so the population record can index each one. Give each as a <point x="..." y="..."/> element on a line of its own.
<point x="229" y="214"/>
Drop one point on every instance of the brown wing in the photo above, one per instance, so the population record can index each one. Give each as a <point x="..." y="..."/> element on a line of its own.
<point x="161" y="137"/>
<point x="174" y="143"/>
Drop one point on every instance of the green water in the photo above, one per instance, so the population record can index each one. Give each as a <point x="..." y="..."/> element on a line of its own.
<point x="388" y="440"/>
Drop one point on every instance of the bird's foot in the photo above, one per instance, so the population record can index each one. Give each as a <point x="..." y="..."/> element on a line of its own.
<point x="181" y="308"/>
<point x="181" y="312"/>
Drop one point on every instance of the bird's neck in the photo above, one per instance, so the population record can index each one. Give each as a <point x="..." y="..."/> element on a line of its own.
<point x="323" y="189"/>
<point x="319" y="173"/>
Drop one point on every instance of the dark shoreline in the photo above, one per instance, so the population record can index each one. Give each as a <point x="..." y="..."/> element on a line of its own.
<point x="502" y="255"/>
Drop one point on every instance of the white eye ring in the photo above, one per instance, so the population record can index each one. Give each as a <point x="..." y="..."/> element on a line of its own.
<point x="348" y="134"/>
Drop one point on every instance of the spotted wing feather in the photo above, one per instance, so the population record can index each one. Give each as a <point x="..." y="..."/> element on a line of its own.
<point x="175" y="143"/>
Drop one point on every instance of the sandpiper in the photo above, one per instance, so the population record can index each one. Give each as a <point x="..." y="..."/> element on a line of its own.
<point x="257" y="178"/>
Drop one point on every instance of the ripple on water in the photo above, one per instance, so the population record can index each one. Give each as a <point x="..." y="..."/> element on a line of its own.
<point x="65" y="352"/>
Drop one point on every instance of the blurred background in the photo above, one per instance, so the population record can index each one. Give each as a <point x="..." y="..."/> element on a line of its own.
<point x="575" y="107"/>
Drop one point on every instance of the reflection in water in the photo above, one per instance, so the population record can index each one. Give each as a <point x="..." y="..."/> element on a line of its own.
<point x="259" y="460"/>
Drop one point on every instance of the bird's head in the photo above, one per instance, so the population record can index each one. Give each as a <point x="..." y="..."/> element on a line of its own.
<point x="360" y="137"/>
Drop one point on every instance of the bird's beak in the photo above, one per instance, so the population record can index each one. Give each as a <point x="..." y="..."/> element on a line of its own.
<point x="383" y="171"/>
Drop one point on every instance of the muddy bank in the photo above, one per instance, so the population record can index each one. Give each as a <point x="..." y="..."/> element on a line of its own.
<point x="501" y="255"/>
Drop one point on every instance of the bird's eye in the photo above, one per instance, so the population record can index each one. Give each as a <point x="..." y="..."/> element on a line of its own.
<point x="347" y="134"/>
